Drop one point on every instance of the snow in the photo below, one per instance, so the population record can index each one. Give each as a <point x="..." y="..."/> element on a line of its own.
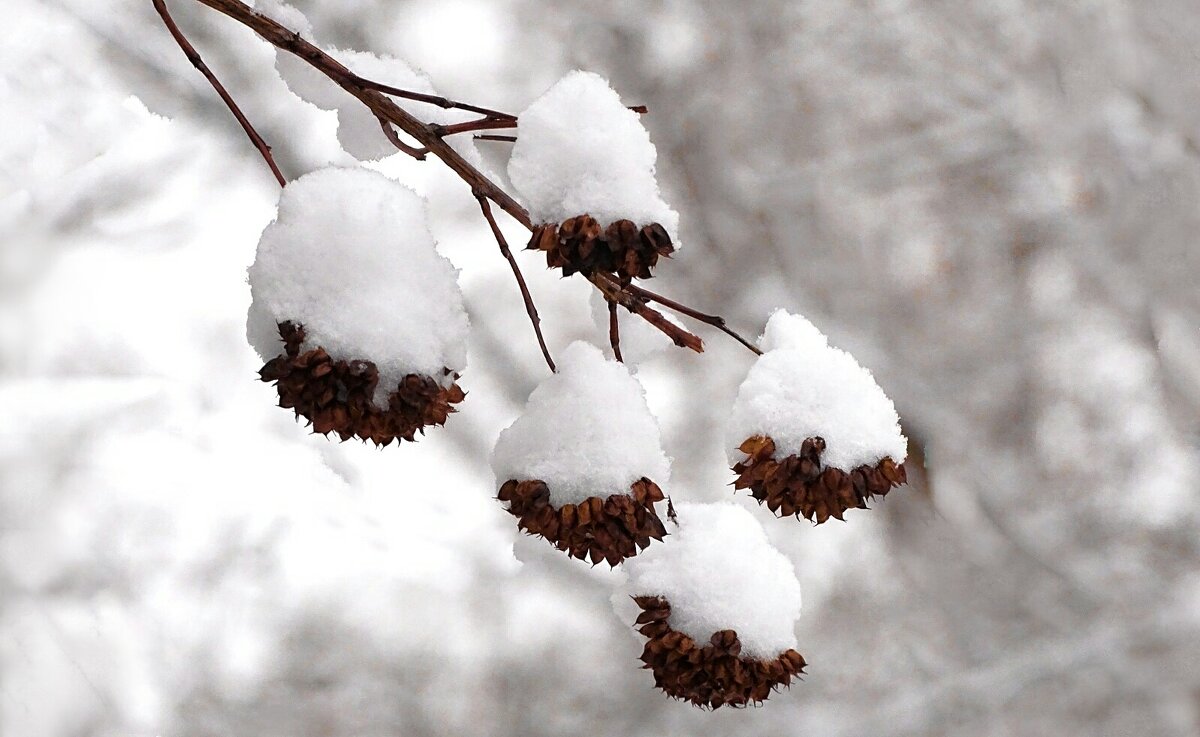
<point x="802" y="387"/>
<point x="580" y="150"/>
<point x="586" y="431"/>
<point x="350" y="257"/>
<point x="718" y="571"/>
<point x="640" y="341"/>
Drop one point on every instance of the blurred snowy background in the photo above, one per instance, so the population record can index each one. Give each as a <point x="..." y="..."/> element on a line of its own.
<point x="992" y="204"/>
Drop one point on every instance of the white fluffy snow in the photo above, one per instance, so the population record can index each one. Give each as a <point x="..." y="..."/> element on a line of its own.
<point x="802" y="387"/>
<point x="580" y="150"/>
<point x="586" y="431"/>
<point x="350" y="257"/>
<point x="719" y="571"/>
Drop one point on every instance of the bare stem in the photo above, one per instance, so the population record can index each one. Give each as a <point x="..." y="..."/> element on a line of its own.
<point x="716" y="321"/>
<point x="530" y="308"/>
<point x="194" y="57"/>
<point x="614" y="331"/>
<point x="486" y="137"/>
<point x="394" y="137"/>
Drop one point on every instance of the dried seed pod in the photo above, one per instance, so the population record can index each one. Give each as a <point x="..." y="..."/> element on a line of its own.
<point x="581" y="244"/>
<point x="799" y="485"/>
<point x="712" y="674"/>
<point x="337" y="396"/>
<point x="611" y="529"/>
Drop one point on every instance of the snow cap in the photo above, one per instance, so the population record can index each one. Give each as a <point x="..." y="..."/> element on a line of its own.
<point x="718" y="571"/>
<point x="579" y="150"/>
<point x="586" y="431"/>
<point x="350" y="257"/>
<point x="802" y="387"/>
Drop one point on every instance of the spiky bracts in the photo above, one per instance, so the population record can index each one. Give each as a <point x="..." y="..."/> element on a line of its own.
<point x="611" y="529"/>
<point x="336" y="396"/>
<point x="798" y="485"/>
<point x="582" y="244"/>
<point x="711" y="675"/>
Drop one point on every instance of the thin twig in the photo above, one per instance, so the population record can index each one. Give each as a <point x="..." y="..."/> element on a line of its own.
<point x="614" y="331"/>
<point x="479" y="124"/>
<point x="486" y="137"/>
<point x="438" y="100"/>
<point x="194" y="57"/>
<point x="716" y="321"/>
<point x="394" y="137"/>
<point x="530" y="308"/>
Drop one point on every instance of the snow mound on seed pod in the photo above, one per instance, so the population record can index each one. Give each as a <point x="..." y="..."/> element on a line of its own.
<point x="802" y="387"/>
<point x="350" y="256"/>
<point x="718" y="571"/>
<point x="580" y="150"/>
<point x="586" y="431"/>
<point x="640" y="341"/>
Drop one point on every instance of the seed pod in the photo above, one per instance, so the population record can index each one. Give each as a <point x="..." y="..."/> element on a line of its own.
<point x="711" y="674"/>
<point x="338" y="396"/>
<point x="812" y="434"/>
<point x="580" y="244"/>
<point x="371" y="317"/>
<point x="799" y="485"/>
<point x="611" y="529"/>
<point x="718" y="607"/>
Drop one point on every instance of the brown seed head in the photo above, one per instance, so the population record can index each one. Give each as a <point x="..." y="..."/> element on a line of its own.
<point x="799" y="485"/>
<point x="712" y="674"/>
<point x="337" y="396"/>
<point x="582" y="244"/>
<point x="610" y="529"/>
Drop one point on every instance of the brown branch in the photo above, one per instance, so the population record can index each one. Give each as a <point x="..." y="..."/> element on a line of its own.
<point x="380" y="104"/>
<point x="530" y="308"/>
<point x="614" y="331"/>
<point x="485" y="137"/>
<point x="716" y="321"/>
<point x="394" y="137"/>
<point x="614" y="292"/>
<point x="194" y="57"/>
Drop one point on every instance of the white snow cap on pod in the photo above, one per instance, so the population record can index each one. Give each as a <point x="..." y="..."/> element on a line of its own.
<point x="718" y="571"/>
<point x="802" y="387"/>
<point x="580" y="150"/>
<point x="586" y="431"/>
<point x="350" y="257"/>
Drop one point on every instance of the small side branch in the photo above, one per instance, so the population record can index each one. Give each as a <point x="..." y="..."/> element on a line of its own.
<point x="614" y="292"/>
<point x="479" y="124"/>
<point x="530" y="308"/>
<point x="194" y="57"/>
<point x="716" y="321"/>
<point x="394" y="137"/>
<point x="438" y="100"/>
<point x="485" y="137"/>
<point x="614" y="331"/>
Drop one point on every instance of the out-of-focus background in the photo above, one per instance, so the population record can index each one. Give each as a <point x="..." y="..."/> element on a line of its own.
<point x="994" y="205"/>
